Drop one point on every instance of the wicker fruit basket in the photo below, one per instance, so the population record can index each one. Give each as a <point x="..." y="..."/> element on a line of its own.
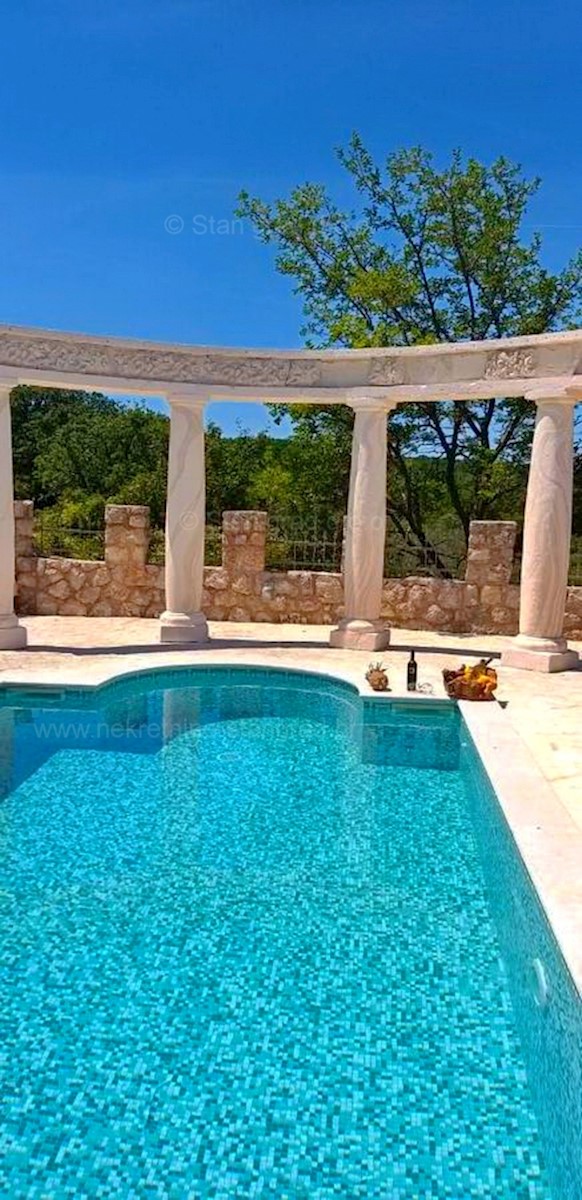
<point x="471" y="683"/>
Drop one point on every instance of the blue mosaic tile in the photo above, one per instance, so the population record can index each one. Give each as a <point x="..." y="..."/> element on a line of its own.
<point x="249" y="948"/>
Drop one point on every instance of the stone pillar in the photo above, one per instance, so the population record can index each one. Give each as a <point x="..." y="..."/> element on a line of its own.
<point x="24" y="528"/>
<point x="183" y="620"/>
<point x="540" y="645"/>
<point x="127" y="536"/>
<point x="12" y="633"/>
<point x="244" y="540"/>
<point x="26" y="560"/>
<point x="362" y="628"/>
<point x="490" y="552"/>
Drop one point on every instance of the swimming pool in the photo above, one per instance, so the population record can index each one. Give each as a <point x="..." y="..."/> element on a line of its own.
<point x="260" y="937"/>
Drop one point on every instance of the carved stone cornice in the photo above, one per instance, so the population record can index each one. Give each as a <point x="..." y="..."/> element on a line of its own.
<point x="510" y="364"/>
<point x="464" y="370"/>
<point x="176" y="365"/>
<point x="387" y="372"/>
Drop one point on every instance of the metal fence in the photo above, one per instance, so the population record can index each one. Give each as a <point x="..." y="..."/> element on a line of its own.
<point x="317" y="546"/>
<point x="290" y="546"/>
<point x="52" y="540"/>
<point x="304" y="545"/>
<point x="212" y="546"/>
<point x="442" y="557"/>
<point x="296" y="546"/>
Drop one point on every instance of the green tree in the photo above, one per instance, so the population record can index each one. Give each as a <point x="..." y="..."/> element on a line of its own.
<point x="231" y="464"/>
<point x="74" y="445"/>
<point x="427" y="256"/>
<point x="38" y="416"/>
<point x="302" y="478"/>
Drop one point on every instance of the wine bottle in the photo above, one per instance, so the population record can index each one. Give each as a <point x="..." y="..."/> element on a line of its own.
<point x="411" y="673"/>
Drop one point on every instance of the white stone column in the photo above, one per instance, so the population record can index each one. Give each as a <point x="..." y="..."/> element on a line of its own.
<point x="362" y="628"/>
<point x="540" y="645"/>
<point x="183" y="620"/>
<point x="12" y="633"/>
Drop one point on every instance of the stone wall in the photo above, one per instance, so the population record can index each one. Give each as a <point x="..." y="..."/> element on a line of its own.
<point x="122" y="585"/>
<point x="125" y="584"/>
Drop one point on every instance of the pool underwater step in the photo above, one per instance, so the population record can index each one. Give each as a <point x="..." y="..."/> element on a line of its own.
<point x="422" y="734"/>
<point x="412" y="736"/>
<point x="21" y="696"/>
<point x="412" y="745"/>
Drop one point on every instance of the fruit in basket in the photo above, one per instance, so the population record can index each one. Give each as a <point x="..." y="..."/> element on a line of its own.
<point x="477" y="682"/>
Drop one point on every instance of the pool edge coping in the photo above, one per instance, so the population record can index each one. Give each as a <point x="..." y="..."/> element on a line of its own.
<point x="546" y="836"/>
<point x="59" y="679"/>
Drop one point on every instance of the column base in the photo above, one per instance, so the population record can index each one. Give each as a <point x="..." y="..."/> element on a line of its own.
<point x="360" y="635"/>
<point x="540" y="654"/>
<point x="13" y="635"/>
<point x="183" y="628"/>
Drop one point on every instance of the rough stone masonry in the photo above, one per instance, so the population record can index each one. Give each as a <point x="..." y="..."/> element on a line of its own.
<point x="125" y="584"/>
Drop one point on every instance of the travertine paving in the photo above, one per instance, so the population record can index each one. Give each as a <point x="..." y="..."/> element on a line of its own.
<point x="545" y="710"/>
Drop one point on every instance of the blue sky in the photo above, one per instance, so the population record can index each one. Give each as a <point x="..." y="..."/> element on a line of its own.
<point x="118" y="114"/>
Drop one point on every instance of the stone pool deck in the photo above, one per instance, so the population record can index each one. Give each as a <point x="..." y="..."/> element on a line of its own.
<point x="545" y="710"/>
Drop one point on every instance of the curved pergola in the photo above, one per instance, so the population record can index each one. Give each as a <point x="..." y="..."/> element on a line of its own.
<point x="546" y="369"/>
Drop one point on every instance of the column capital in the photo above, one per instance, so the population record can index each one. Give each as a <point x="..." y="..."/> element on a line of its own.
<point x="7" y="383"/>
<point x="562" y="395"/>
<point x="193" y="400"/>
<point x="377" y="404"/>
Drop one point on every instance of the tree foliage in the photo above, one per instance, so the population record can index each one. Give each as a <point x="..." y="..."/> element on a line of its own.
<point x="427" y="255"/>
<point x="74" y="452"/>
<point x="85" y="449"/>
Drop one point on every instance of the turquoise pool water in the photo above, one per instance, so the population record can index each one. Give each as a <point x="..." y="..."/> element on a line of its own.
<point x="261" y="939"/>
